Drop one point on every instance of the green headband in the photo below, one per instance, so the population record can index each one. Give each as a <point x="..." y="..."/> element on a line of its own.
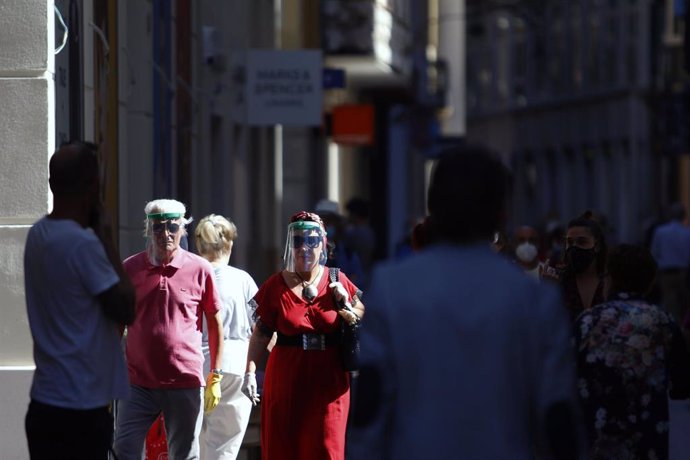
<point x="304" y="225"/>
<point x="165" y="215"/>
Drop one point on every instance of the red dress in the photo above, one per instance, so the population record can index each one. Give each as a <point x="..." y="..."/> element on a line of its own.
<point x="306" y="393"/>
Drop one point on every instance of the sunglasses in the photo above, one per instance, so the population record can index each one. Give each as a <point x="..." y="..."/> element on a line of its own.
<point x="160" y="227"/>
<point x="312" y="241"/>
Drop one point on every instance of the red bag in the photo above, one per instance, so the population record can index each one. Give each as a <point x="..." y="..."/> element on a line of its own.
<point x="156" y="441"/>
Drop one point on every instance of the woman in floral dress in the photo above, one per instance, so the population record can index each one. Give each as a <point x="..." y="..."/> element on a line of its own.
<point x="630" y="355"/>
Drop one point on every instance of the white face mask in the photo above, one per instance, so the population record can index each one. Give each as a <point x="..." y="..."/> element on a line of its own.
<point x="526" y="252"/>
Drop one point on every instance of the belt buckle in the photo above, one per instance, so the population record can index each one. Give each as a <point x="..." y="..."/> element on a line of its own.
<point x="313" y="342"/>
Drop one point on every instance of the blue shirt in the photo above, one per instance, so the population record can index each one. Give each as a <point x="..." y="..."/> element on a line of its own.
<point x="671" y="246"/>
<point x="79" y="360"/>
<point x="471" y="353"/>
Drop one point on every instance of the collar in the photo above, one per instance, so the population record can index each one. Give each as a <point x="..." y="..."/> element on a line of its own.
<point x="176" y="262"/>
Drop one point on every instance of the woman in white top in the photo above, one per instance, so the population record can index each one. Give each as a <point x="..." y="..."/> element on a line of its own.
<point x="224" y="428"/>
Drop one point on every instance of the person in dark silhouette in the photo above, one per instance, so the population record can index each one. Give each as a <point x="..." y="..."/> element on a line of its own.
<point x="462" y="355"/>
<point x="77" y="298"/>
<point x="671" y="249"/>
<point x="631" y="355"/>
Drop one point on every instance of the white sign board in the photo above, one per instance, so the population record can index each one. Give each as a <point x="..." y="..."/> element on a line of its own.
<point x="284" y="87"/>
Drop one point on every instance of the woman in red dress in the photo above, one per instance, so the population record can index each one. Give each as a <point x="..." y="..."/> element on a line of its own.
<point x="306" y="394"/>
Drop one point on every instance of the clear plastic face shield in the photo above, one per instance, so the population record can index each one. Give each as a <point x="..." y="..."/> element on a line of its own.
<point x="164" y="231"/>
<point x="304" y="246"/>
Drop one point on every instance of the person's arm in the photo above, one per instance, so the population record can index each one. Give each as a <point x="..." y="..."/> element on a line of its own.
<point x="213" y="392"/>
<point x="258" y="347"/>
<point x="215" y="339"/>
<point x="351" y="309"/>
<point x="357" y="305"/>
<point x="374" y="409"/>
<point x="355" y="312"/>
<point x="555" y="393"/>
<point x="119" y="301"/>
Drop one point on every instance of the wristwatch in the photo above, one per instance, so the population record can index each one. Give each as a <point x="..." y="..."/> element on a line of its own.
<point x="217" y="371"/>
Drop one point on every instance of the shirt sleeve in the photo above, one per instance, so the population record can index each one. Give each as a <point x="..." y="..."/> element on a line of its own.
<point x="553" y="365"/>
<point x="556" y="368"/>
<point x="250" y="287"/>
<point x="264" y="310"/>
<point x="211" y="302"/>
<point x="93" y="267"/>
<point x="349" y="285"/>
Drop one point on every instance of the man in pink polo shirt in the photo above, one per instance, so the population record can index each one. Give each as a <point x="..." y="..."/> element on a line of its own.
<point x="174" y="288"/>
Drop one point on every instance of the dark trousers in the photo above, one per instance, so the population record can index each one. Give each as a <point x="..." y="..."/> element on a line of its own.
<point x="674" y="293"/>
<point x="57" y="433"/>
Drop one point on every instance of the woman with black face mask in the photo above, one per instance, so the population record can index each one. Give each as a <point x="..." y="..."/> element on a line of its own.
<point x="583" y="279"/>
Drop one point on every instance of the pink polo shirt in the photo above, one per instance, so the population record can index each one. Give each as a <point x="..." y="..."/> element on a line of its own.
<point x="164" y="342"/>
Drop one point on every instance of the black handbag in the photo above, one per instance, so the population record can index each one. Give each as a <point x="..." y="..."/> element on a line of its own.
<point x="349" y="335"/>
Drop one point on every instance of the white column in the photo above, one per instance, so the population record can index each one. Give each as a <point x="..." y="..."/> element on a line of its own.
<point x="27" y="134"/>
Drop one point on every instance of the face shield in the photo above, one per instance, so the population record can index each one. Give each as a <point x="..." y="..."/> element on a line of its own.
<point x="164" y="232"/>
<point x="304" y="246"/>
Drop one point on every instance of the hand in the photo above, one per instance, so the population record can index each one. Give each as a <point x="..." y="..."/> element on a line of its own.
<point x="340" y="293"/>
<point x="212" y="392"/>
<point x="550" y="272"/>
<point x="250" y="388"/>
<point x="350" y="317"/>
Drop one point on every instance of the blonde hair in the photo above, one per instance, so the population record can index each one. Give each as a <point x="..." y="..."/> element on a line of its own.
<point x="214" y="236"/>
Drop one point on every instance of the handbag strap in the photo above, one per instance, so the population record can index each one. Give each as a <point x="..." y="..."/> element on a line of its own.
<point x="333" y="274"/>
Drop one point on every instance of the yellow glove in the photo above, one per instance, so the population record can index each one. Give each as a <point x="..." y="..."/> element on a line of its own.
<point x="212" y="392"/>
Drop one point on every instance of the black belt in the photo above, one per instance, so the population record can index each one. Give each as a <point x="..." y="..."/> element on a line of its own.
<point x="309" y="341"/>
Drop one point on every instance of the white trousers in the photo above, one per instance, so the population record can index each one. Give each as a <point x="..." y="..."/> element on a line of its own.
<point x="223" y="429"/>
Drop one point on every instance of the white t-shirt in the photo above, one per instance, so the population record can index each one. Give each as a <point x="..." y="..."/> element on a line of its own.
<point x="236" y="288"/>
<point x="79" y="360"/>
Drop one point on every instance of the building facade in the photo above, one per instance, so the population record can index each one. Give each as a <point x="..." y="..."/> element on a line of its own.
<point x="160" y="85"/>
<point x="571" y="94"/>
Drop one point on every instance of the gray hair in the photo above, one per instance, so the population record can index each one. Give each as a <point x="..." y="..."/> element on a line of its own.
<point x="165" y="206"/>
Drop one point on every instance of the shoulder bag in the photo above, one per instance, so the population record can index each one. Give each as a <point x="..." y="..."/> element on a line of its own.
<point x="349" y="335"/>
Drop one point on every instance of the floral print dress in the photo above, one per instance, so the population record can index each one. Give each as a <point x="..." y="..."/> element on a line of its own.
<point x="629" y="353"/>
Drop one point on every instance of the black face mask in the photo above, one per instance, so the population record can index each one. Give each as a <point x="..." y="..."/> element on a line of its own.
<point x="579" y="259"/>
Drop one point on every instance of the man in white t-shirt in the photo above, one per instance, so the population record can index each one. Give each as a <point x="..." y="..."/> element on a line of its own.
<point x="77" y="298"/>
